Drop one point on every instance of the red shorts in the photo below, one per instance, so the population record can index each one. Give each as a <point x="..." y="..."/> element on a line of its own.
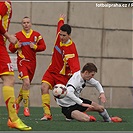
<point x="26" y="69"/>
<point x="5" y="62"/>
<point x="52" y="79"/>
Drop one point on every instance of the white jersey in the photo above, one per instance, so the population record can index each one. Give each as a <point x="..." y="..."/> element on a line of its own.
<point x="74" y="87"/>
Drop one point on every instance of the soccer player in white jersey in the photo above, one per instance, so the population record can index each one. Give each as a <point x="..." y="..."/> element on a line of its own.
<point x="73" y="106"/>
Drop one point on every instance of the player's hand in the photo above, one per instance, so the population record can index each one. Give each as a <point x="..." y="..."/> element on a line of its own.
<point x="87" y="105"/>
<point x="31" y="45"/>
<point x="90" y="106"/>
<point x="102" y="97"/>
<point x="62" y="16"/>
<point x="18" y="44"/>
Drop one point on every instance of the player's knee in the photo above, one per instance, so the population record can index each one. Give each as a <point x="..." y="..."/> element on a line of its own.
<point x="44" y="88"/>
<point x="12" y="80"/>
<point x="101" y="108"/>
<point x="26" y="84"/>
<point x="8" y="80"/>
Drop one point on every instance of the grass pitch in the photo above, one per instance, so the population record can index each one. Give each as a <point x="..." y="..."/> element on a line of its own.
<point x="59" y="124"/>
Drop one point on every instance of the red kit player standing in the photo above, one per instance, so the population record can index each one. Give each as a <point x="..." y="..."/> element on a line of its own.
<point x="29" y="43"/>
<point x="64" y="63"/>
<point x="6" y="70"/>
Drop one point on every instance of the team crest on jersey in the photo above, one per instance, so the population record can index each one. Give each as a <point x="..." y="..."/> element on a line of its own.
<point x="35" y="39"/>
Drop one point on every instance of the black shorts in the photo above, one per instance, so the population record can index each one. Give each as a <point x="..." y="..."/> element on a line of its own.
<point x="68" y="110"/>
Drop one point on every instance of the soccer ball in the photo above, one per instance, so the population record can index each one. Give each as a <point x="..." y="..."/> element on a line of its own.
<point x="59" y="91"/>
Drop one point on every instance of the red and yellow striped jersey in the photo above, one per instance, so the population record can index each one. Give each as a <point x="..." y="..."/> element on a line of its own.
<point x="25" y="52"/>
<point x="65" y="57"/>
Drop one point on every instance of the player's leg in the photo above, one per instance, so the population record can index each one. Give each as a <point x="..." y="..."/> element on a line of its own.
<point x="46" y="101"/>
<point x="80" y="116"/>
<point x="47" y="84"/>
<point x="20" y="96"/>
<point x="77" y="112"/>
<point x="26" y="73"/>
<point x="8" y="93"/>
<point x="7" y="76"/>
<point x="102" y="111"/>
<point x="98" y="108"/>
<point x="21" y="68"/>
<point x="18" y="100"/>
<point x="25" y="93"/>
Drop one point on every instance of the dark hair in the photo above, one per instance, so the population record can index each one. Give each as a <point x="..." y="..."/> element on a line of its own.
<point x="66" y="28"/>
<point x="89" y="67"/>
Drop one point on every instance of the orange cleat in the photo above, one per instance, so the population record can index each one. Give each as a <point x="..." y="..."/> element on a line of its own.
<point x="92" y="118"/>
<point x="26" y="112"/>
<point x="18" y="124"/>
<point x="46" y="117"/>
<point x="116" y="119"/>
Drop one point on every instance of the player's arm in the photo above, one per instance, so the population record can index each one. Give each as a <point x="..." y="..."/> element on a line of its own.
<point x="60" y="22"/>
<point x="11" y="38"/>
<point x="14" y="47"/>
<point x="40" y="44"/>
<point x="72" y="96"/>
<point x="87" y="105"/>
<point x="99" y="87"/>
<point x="3" y="31"/>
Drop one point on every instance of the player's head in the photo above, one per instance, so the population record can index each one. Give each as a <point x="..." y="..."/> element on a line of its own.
<point x="66" y="28"/>
<point x="65" y="32"/>
<point x="26" y="24"/>
<point x="88" y="71"/>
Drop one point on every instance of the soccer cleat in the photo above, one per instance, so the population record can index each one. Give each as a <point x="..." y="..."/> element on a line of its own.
<point x="26" y="112"/>
<point x="17" y="107"/>
<point x="46" y="117"/>
<point x="68" y="119"/>
<point x="18" y="124"/>
<point x="92" y="118"/>
<point x="116" y="119"/>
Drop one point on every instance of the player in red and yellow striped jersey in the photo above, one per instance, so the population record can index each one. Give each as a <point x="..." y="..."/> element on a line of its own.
<point x="64" y="63"/>
<point x="6" y="70"/>
<point x="29" y="42"/>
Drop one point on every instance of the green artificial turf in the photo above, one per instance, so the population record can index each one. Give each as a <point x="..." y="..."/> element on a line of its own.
<point x="59" y="124"/>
